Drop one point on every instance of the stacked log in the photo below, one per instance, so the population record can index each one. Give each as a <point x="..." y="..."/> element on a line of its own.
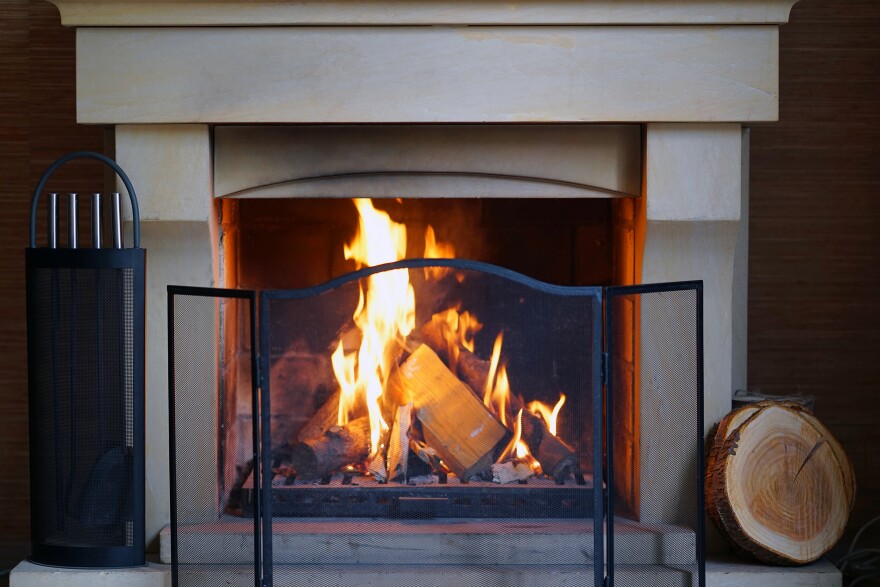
<point x="454" y="421"/>
<point x="333" y="449"/>
<point x="439" y="384"/>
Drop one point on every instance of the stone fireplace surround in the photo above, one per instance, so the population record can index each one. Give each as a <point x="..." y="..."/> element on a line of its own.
<point x="693" y="73"/>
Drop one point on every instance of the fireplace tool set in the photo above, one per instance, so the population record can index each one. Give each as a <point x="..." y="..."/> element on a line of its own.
<point x="85" y="321"/>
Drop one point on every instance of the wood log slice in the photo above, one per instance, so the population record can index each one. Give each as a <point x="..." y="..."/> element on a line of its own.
<point x="719" y="433"/>
<point x="779" y="485"/>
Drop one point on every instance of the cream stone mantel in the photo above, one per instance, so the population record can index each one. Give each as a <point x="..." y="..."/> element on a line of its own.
<point x="419" y="12"/>
<point x="371" y="61"/>
<point x="691" y="72"/>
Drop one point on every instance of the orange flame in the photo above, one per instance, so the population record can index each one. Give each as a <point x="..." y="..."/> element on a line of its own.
<point x="436" y="250"/>
<point x="493" y="368"/>
<point x="514" y="443"/>
<point x="385" y="316"/>
<point x="550" y="415"/>
<point x="463" y="326"/>
<point x="458" y="332"/>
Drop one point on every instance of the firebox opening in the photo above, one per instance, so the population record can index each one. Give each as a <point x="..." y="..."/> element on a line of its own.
<point x="556" y="203"/>
<point x="296" y="243"/>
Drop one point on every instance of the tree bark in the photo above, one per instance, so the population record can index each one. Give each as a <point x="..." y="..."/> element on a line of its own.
<point x="336" y="447"/>
<point x="557" y="458"/>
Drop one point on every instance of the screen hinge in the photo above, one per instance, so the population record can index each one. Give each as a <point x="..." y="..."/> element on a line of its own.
<point x="259" y="374"/>
<point x="606" y="361"/>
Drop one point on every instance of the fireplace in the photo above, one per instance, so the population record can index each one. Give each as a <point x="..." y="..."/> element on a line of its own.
<point x="529" y="223"/>
<point x="284" y="225"/>
<point x="688" y="77"/>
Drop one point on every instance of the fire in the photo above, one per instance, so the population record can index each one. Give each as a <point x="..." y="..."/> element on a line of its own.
<point x="385" y="316"/>
<point x="518" y="450"/>
<point x="459" y="330"/>
<point x="493" y="368"/>
<point x="465" y="325"/>
<point x="550" y="415"/>
<point x="436" y="250"/>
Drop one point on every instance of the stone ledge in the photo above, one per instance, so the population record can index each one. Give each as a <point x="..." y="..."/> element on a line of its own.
<point x="720" y="572"/>
<point x="389" y="12"/>
<point x="460" y="543"/>
<point x="379" y="74"/>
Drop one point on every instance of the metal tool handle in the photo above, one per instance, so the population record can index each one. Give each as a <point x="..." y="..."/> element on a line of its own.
<point x="52" y="220"/>
<point x="72" y="221"/>
<point x="135" y="214"/>
<point x="116" y="213"/>
<point x="96" y="220"/>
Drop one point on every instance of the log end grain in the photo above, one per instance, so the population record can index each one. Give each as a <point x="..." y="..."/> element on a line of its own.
<point x="778" y="484"/>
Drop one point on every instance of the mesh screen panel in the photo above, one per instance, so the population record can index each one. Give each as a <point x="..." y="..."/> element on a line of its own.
<point x="84" y="392"/>
<point x="490" y="531"/>
<point x="85" y="382"/>
<point x="655" y="435"/>
<point x="212" y="390"/>
<point x="242" y="516"/>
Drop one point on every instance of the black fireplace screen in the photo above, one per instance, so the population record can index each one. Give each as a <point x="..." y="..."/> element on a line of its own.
<point x="425" y="412"/>
<point x="654" y="334"/>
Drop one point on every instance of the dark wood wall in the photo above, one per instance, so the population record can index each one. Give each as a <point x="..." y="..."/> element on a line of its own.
<point x="815" y="209"/>
<point x="814" y="257"/>
<point x="37" y="125"/>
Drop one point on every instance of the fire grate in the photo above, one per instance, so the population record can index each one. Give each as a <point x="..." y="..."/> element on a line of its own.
<point x="344" y="495"/>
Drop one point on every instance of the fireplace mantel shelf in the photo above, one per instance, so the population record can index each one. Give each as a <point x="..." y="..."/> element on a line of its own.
<point x="420" y="12"/>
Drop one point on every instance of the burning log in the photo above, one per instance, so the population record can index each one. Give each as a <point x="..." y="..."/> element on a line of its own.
<point x="557" y="458"/>
<point x="398" y="443"/>
<point x="334" y="448"/>
<point x="321" y="421"/>
<point x="454" y="421"/>
<point x="473" y="370"/>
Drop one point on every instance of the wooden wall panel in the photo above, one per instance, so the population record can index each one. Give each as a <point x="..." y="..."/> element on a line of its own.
<point x="14" y="173"/>
<point x="37" y="125"/>
<point x="814" y="262"/>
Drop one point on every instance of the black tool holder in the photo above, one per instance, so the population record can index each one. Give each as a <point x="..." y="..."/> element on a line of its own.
<point x="85" y="317"/>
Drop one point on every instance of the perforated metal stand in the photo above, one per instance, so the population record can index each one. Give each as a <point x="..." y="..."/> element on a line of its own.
<point x="85" y="317"/>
